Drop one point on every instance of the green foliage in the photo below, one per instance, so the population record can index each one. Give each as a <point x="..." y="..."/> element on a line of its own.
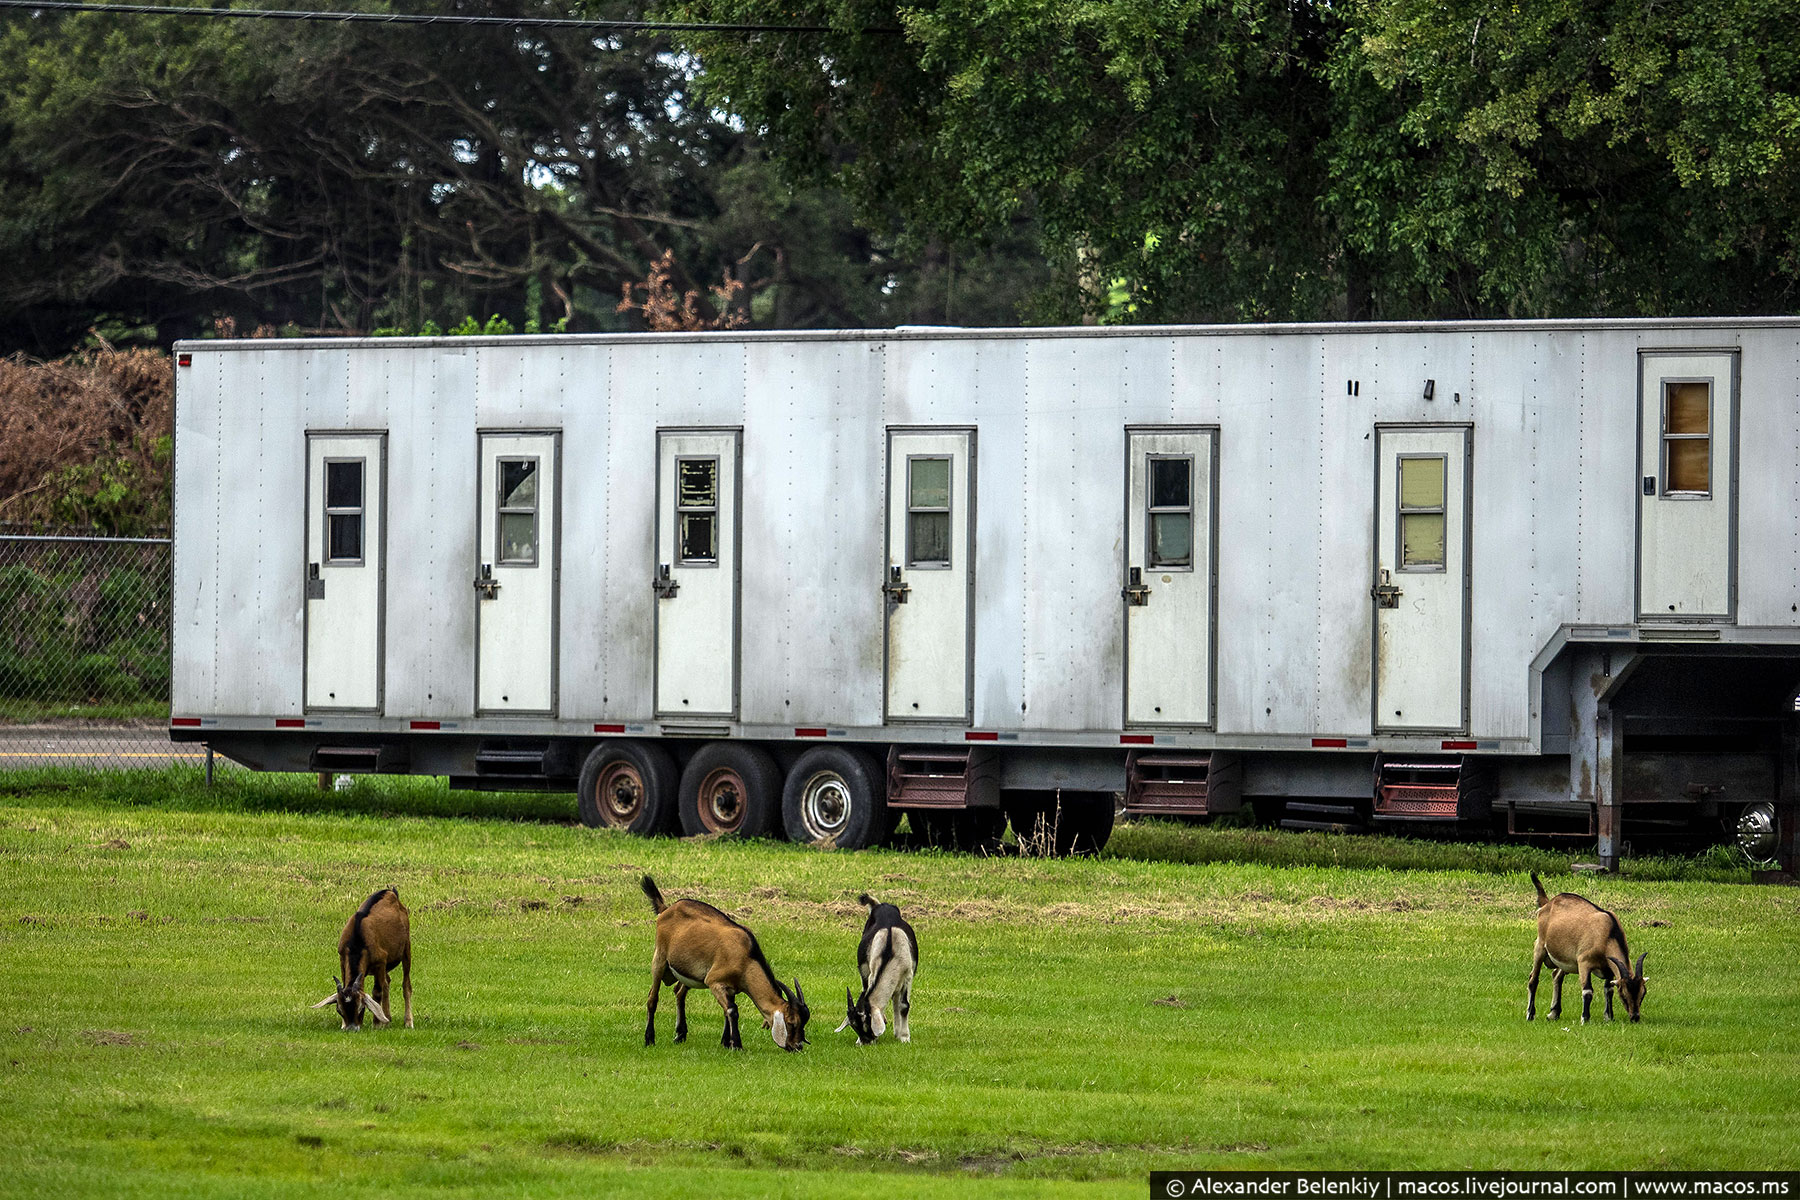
<point x="1074" y="1022"/>
<point x="1397" y="158"/>
<point x="83" y="633"/>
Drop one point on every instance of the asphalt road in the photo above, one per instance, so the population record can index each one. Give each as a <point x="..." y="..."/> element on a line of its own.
<point x="91" y="746"/>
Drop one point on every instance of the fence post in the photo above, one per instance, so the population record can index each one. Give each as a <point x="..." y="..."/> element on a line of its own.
<point x="209" y="766"/>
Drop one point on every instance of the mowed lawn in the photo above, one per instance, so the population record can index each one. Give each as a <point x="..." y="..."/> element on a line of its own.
<point x="1076" y="1023"/>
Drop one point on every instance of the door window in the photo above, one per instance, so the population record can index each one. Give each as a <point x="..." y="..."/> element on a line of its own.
<point x="1172" y="512"/>
<point x="344" y="511"/>
<point x="1687" y="438"/>
<point x="518" y="512"/>
<point x="928" y="512"/>
<point x="697" y="511"/>
<point x="1421" y="513"/>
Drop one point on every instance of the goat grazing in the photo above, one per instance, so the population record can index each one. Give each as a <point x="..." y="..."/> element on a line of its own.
<point x="377" y="937"/>
<point x="886" y="958"/>
<point x="1575" y="934"/>
<point x="699" y="946"/>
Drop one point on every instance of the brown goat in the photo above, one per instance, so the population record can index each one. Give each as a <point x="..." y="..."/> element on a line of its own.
<point x="699" y="946"/>
<point x="377" y="937"/>
<point x="1575" y="934"/>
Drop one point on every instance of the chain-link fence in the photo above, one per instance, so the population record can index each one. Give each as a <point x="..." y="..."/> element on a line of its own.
<point x="84" y="652"/>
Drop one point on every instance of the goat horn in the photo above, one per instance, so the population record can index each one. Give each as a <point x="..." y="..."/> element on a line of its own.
<point x="799" y="996"/>
<point x="1640" y="964"/>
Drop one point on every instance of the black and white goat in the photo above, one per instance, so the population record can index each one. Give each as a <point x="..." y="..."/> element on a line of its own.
<point x="887" y="958"/>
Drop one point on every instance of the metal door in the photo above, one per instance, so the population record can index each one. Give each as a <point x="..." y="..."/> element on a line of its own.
<point x="1420" y="593"/>
<point x="1687" y="485"/>
<point x="929" y="586"/>
<point x="697" y="572"/>
<point x="516" y="573"/>
<point x="345" y="545"/>
<point x="1169" y="584"/>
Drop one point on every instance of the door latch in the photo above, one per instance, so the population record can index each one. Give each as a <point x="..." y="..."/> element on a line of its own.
<point x="1386" y="593"/>
<point x="664" y="586"/>
<point x="1136" y="592"/>
<point x="485" y="584"/>
<point x="315" y="586"/>
<point x="895" y="588"/>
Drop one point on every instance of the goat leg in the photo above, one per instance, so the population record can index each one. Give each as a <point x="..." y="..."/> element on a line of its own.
<point x="1609" y="994"/>
<point x="1557" y="975"/>
<point x="406" y="984"/>
<point x="381" y="994"/>
<point x="1587" y="993"/>
<point x="681" y="991"/>
<point x="902" y="1008"/>
<point x="1537" y="965"/>
<point x="727" y="1005"/>
<point x="658" y="965"/>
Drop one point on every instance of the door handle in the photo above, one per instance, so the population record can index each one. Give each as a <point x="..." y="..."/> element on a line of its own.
<point x="315" y="586"/>
<point x="1136" y="591"/>
<point x="1386" y="593"/>
<point x="664" y="587"/>
<point x="896" y="589"/>
<point x="485" y="584"/>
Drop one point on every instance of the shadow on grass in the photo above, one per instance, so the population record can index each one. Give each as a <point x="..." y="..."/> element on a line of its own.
<point x="1168" y="841"/>
<point x="184" y="788"/>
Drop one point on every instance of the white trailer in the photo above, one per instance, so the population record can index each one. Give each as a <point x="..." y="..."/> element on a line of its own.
<point x="1540" y="573"/>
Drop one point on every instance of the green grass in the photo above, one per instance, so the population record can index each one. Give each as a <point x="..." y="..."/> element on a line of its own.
<point x="159" y="943"/>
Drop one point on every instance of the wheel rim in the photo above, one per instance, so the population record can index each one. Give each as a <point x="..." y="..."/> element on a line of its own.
<point x="1756" y="832"/>
<point x="619" y="794"/>
<point x="825" y="805"/>
<point x="722" y="795"/>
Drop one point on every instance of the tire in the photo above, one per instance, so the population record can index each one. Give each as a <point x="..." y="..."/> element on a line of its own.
<point x="835" y="797"/>
<point x="1084" y="822"/>
<point x="628" y="785"/>
<point x="1758" y="834"/>
<point x="730" y="787"/>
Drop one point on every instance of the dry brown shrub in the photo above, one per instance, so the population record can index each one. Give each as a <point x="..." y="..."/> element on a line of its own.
<point x="666" y="309"/>
<point x="85" y="439"/>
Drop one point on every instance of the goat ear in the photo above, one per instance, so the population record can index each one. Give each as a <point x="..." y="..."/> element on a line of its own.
<point x="331" y="999"/>
<point x="369" y="1003"/>
<point x="779" y="1029"/>
<point x="877" y="1022"/>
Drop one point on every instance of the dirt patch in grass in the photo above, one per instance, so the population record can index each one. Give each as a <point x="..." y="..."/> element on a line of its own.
<point x="109" y="1037"/>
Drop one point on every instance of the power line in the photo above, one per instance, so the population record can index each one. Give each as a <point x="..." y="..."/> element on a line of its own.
<point x="379" y="18"/>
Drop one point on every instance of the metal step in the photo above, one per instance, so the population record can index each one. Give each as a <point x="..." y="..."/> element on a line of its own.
<point x="1182" y="783"/>
<point x="1420" y="788"/>
<point x="359" y="760"/>
<point x="526" y="760"/>
<point x="1321" y="817"/>
<point x="943" y="777"/>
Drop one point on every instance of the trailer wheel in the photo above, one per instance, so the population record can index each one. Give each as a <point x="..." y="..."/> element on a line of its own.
<point x="835" y="796"/>
<point x="1084" y="822"/>
<point x="729" y="787"/>
<point x="630" y="786"/>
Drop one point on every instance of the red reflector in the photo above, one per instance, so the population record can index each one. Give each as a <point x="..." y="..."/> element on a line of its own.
<point x="809" y="733"/>
<point x="609" y="729"/>
<point x="424" y="724"/>
<point x="184" y="720"/>
<point x="1137" y="739"/>
<point x="980" y="736"/>
<point x="184" y="360"/>
<point x="1459" y="745"/>
<point x="289" y="723"/>
<point x="1330" y="743"/>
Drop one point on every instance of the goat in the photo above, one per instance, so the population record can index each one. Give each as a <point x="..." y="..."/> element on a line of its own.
<point x="699" y="946"/>
<point x="377" y="937"/>
<point x="886" y="959"/>
<point x="1575" y="934"/>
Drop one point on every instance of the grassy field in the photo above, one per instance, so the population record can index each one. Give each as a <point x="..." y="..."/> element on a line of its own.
<point x="1197" y="998"/>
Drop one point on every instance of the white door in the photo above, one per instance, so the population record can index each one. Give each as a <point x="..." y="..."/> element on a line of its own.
<point x="696" y="572"/>
<point x="1420" y="592"/>
<point x="930" y="573"/>
<point x="1169" y="577"/>
<point x="515" y="574"/>
<point x="344" y="551"/>
<point x="1686" y="483"/>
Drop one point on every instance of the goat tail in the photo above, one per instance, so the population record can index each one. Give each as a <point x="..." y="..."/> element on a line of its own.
<point x="656" y="899"/>
<point x="1543" y="897"/>
<point x="867" y="899"/>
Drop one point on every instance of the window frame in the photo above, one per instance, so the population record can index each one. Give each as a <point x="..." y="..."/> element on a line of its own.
<point x="948" y="562"/>
<point x="715" y="508"/>
<point x="1664" y="437"/>
<point x="502" y="509"/>
<point x="360" y="511"/>
<point x="1152" y="511"/>
<point x="1401" y="512"/>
